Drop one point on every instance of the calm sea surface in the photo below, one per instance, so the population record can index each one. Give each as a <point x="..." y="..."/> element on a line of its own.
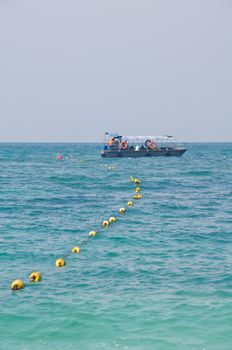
<point x="160" y="278"/>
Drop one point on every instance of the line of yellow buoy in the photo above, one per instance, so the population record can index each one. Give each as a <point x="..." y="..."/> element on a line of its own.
<point x="37" y="277"/>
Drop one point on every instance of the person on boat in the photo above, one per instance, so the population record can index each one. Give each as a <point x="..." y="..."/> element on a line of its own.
<point x="111" y="143"/>
<point x="116" y="144"/>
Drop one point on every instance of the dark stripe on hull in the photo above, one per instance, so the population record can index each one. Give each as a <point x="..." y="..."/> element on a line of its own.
<point x="143" y="153"/>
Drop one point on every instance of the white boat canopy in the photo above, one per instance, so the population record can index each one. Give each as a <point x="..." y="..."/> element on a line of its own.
<point x="142" y="139"/>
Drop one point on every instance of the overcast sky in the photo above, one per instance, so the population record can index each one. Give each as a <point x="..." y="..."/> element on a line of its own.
<point x="71" y="70"/>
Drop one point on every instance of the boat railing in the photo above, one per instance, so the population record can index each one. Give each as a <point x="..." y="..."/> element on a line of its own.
<point x="117" y="141"/>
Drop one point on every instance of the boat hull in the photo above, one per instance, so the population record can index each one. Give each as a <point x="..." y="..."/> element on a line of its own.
<point x="168" y="152"/>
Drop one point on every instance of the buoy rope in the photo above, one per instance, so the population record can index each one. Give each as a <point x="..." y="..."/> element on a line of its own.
<point x="36" y="276"/>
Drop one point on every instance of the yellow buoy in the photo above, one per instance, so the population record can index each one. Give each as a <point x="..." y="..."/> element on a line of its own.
<point x="105" y="223"/>
<point x="92" y="233"/>
<point x="137" y="189"/>
<point x="60" y="262"/>
<point x="136" y="181"/>
<point x="76" y="250"/>
<point x="112" y="219"/>
<point x="129" y="204"/>
<point x="122" y="210"/>
<point x="35" y="277"/>
<point x="137" y="196"/>
<point x="17" y="284"/>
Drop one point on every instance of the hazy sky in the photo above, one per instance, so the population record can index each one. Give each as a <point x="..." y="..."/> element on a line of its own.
<point x="71" y="70"/>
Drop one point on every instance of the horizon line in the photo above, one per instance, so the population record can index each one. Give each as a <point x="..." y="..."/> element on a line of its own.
<point x="100" y="142"/>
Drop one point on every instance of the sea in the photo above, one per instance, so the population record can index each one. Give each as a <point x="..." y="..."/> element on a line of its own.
<point x="160" y="278"/>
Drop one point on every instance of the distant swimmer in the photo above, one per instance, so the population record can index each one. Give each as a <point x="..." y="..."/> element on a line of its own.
<point x="59" y="157"/>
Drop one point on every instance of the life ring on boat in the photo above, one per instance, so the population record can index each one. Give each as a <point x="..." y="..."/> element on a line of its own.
<point x="150" y="144"/>
<point x="147" y="143"/>
<point x="124" y="145"/>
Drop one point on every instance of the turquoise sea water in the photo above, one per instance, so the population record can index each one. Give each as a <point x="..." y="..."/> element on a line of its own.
<point x="159" y="278"/>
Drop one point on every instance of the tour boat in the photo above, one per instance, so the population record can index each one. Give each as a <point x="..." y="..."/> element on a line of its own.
<point x="116" y="145"/>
